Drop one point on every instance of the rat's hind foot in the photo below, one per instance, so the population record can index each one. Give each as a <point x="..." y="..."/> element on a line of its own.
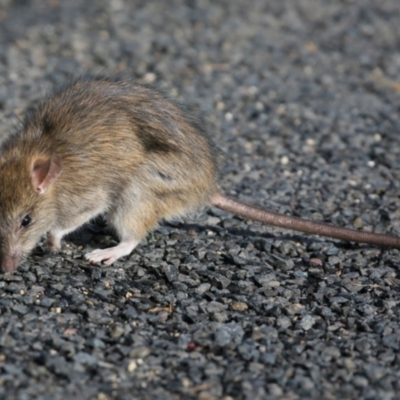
<point x="108" y="256"/>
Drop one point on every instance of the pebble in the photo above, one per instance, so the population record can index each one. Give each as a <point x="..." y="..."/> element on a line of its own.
<point x="307" y="322"/>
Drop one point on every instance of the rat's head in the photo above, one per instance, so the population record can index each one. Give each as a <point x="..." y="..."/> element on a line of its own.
<point x="26" y="206"/>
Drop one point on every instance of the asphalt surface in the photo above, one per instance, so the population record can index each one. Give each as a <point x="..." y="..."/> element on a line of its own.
<point x="303" y="99"/>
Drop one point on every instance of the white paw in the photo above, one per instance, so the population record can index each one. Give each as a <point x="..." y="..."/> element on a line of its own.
<point x="53" y="242"/>
<point x="105" y="256"/>
<point x="108" y="256"/>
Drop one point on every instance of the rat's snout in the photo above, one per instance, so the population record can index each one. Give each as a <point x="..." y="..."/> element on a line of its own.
<point x="13" y="249"/>
<point x="9" y="259"/>
<point x="9" y="264"/>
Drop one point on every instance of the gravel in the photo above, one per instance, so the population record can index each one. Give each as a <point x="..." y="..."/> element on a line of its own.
<point x="303" y="99"/>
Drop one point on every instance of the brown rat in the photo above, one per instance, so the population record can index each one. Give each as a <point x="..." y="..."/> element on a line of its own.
<point x="103" y="146"/>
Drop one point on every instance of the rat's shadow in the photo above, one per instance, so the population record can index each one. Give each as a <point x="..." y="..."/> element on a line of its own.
<point x="98" y="226"/>
<point x="85" y="234"/>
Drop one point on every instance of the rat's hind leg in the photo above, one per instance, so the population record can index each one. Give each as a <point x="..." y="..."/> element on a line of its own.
<point x="131" y="224"/>
<point x="111" y="254"/>
<point x="138" y="210"/>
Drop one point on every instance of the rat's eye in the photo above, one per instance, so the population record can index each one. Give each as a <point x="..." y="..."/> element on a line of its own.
<point x="26" y="221"/>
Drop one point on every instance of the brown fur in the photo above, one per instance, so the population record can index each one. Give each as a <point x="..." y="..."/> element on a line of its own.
<point x="100" y="146"/>
<point x="126" y="151"/>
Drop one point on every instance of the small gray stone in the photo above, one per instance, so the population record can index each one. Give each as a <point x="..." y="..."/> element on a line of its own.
<point x="229" y="334"/>
<point x="307" y="322"/>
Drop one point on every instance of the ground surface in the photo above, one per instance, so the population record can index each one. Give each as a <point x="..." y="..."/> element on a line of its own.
<point x="303" y="98"/>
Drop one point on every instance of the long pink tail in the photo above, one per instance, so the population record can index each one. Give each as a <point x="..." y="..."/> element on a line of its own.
<point x="302" y="225"/>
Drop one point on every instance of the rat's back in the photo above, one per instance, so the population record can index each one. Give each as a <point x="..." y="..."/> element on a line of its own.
<point x="113" y="133"/>
<point x="99" y="146"/>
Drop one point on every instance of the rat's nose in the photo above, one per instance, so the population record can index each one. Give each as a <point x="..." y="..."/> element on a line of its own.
<point x="9" y="264"/>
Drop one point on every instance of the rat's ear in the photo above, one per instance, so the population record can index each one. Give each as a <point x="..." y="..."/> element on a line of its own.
<point x="45" y="171"/>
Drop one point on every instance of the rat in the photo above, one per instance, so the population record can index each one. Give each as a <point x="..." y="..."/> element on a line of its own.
<point x="103" y="146"/>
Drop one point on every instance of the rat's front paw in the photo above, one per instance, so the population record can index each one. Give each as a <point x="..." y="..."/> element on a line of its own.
<point x="53" y="242"/>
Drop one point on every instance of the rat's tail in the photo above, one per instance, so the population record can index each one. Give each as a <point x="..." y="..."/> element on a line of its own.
<point x="289" y="222"/>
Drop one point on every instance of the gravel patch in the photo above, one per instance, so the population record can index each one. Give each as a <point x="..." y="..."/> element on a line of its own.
<point x="303" y="99"/>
